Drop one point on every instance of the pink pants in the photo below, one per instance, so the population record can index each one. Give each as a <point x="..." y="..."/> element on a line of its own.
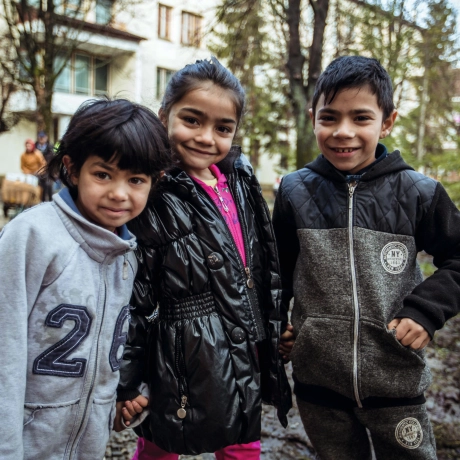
<point x="147" y="450"/>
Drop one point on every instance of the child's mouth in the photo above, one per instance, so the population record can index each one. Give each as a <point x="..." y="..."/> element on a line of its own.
<point x="349" y="150"/>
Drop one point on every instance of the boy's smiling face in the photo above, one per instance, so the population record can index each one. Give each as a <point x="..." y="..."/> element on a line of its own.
<point x="108" y="196"/>
<point x="348" y="129"/>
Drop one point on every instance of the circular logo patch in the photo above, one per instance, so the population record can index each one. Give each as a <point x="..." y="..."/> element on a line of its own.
<point x="409" y="433"/>
<point x="394" y="257"/>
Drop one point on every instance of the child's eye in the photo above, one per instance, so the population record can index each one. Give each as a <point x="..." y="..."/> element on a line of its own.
<point x="224" y="129"/>
<point x="326" y="118"/>
<point x="137" y="180"/>
<point x="362" y="118"/>
<point x="191" y="120"/>
<point x="102" y="175"/>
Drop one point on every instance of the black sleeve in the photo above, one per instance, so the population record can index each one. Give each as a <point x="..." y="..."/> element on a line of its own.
<point x="287" y="243"/>
<point x="143" y="305"/>
<point x="437" y="298"/>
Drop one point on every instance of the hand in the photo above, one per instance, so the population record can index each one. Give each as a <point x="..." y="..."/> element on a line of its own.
<point x="133" y="408"/>
<point x="410" y="333"/>
<point x="287" y="342"/>
<point x="117" y="425"/>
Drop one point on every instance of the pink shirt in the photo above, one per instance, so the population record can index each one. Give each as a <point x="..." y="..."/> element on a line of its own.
<point x="231" y="214"/>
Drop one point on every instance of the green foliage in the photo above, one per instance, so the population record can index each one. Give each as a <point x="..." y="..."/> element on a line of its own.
<point x="382" y="30"/>
<point x="419" y="55"/>
<point x="418" y="52"/>
<point x="247" y="48"/>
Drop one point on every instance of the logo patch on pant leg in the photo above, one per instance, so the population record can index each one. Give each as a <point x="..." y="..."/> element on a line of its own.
<point x="409" y="433"/>
<point x="394" y="257"/>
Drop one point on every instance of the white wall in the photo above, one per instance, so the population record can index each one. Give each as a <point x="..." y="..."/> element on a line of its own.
<point x="12" y="146"/>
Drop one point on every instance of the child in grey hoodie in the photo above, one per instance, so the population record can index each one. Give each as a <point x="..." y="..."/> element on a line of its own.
<point x="65" y="282"/>
<point x="348" y="227"/>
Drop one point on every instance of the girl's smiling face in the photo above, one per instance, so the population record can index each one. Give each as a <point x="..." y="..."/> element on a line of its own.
<point x="108" y="196"/>
<point x="201" y="127"/>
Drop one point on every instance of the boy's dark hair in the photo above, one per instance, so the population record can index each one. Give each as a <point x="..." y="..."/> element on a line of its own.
<point x="355" y="72"/>
<point x="192" y="76"/>
<point x="118" y="130"/>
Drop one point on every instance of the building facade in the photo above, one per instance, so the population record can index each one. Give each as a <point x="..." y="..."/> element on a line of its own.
<point x="132" y="58"/>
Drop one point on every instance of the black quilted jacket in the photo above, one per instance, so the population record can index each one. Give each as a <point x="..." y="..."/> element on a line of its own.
<point x="348" y="257"/>
<point x="211" y="355"/>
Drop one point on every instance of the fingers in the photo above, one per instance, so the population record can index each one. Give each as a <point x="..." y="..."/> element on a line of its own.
<point x="142" y="401"/>
<point x="127" y="417"/>
<point x="411" y="334"/>
<point x="132" y="408"/>
<point x="288" y="333"/>
<point x="286" y="343"/>
<point x="117" y="425"/>
<point x="394" y="324"/>
<point x="286" y="347"/>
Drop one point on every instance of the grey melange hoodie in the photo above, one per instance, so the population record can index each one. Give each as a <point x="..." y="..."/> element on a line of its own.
<point x="65" y="286"/>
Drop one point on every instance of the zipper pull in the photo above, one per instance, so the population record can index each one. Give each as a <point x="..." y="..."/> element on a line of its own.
<point x="154" y="316"/>
<point x="125" y="268"/>
<point x="221" y="199"/>
<point x="249" y="281"/>
<point x="181" y="412"/>
<point x="351" y="189"/>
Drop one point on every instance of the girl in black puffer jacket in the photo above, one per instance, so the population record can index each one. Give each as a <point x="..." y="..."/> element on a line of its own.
<point x="206" y="316"/>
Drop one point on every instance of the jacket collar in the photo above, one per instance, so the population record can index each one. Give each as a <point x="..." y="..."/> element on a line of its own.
<point x="234" y="161"/>
<point x="392" y="163"/>
<point x="100" y="244"/>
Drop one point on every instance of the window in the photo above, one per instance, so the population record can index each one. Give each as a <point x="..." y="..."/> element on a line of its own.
<point x="103" y="11"/>
<point x="74" y="8"/>
<point x="83" y="74"/>
<point x="63" y="81"/>
<point x="191" y="29"/>
<point x="164" y="21"/>
<point x="163" y="77"/>
<point x="101" y="73"/>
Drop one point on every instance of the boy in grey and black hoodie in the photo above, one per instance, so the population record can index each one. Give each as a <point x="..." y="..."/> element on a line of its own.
<point x="349" y="226"/>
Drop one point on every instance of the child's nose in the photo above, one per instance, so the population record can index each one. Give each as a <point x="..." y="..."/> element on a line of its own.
<point x="118" y="192"/>
<point x="344" y="129"/>
<point x="205" y="136"/>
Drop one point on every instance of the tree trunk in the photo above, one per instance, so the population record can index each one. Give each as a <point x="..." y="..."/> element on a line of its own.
<point x="295" y="64"/>
<point x="301" y="95"/>
<point x="420" y="148"/>
<point x="44" y="117"/>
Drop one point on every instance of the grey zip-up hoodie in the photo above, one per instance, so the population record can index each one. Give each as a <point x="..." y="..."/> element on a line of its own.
<point x="348" y="253"/>
<point x="65" y="286"/>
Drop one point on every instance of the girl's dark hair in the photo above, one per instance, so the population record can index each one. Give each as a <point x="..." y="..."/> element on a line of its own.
<point x="347" y="72"/>
<point x="115" y="130"/>
<point x="192" y="76"/>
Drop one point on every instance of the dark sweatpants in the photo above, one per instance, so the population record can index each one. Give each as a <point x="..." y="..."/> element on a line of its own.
<point x="398" y="433"/>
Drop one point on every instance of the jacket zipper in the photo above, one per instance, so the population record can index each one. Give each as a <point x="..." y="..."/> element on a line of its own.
<point x="351" y="189"/>
<point x="257" y="319"/>
<point x="245" y="271"/>
<point x="180" y="369"/>
<point x="89" y="390"/>
<point x="256" y="316"/>
<point x="220" y="198"/>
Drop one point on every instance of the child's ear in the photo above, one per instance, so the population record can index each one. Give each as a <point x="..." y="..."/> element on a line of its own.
<point x="70" y="169"/>
<point x="312" y="117"/>
<point x="388" y="124"/>
<point x="163" y="118"/>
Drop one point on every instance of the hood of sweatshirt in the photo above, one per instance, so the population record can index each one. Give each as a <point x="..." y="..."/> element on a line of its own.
<point x="99" y="243"/>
